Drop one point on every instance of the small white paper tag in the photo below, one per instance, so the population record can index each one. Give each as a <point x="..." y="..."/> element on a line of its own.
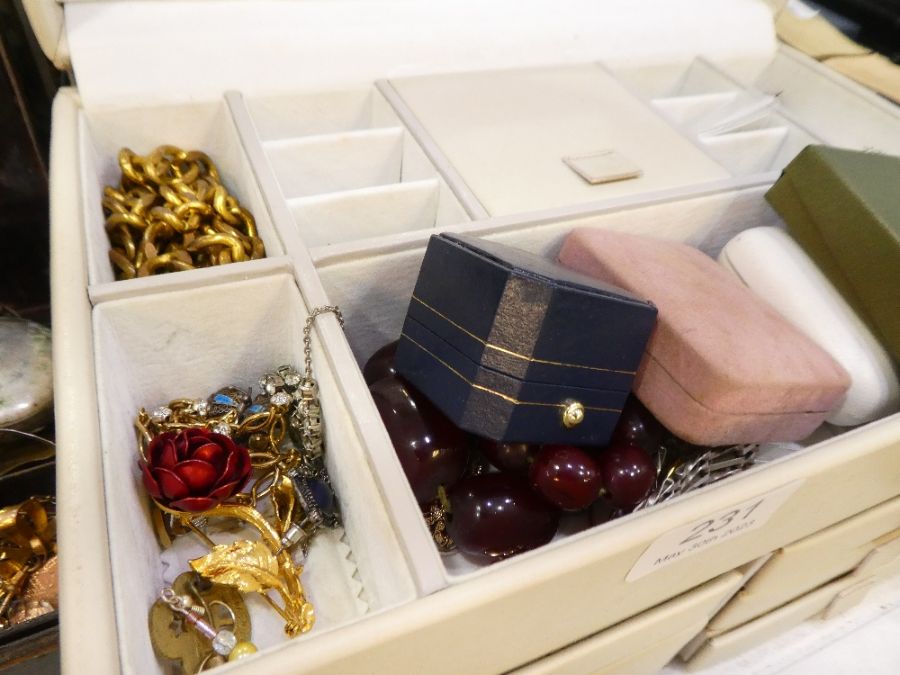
<point x="710" y="531"/>
<point x="605" y="166"/>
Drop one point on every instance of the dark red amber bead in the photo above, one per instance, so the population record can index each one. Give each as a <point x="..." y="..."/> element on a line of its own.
<point x="628" y="473"/>
<point x="637" y="426"/>
<point x="566" y="476"/>
<point x="381" y="364"/>
<point x="497" y="515"/>
<point x="432" y="451"/>
<point x="512" y="457"/>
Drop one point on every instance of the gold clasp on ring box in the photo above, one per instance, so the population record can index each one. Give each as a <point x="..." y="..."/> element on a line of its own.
<point x="572" y="414"/>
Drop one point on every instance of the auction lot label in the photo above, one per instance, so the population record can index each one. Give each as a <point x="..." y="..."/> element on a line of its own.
<point x="710" y="531"/>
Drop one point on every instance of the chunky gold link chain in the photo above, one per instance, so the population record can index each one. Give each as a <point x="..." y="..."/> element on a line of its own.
<point x="170" y="212"/>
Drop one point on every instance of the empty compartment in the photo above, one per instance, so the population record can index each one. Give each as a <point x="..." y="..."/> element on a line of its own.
<point x="747" y="152"/>
<point x="377" y="211"/>
<point x="682" y="110"/>
<point x="154" y="348"/>
<point x="699" y="77"/>
<point x="292" y="115"/>
<point x="745" y="110"/>
<point x="205" y="127"/>
<point x="702" y="77"/>
<point x="358" y="181"/>
<point x="766" y="144"/>
<point x="335" y="162"/>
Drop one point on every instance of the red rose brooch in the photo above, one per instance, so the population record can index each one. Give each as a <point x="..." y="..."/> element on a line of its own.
<point x="194" y="469"/>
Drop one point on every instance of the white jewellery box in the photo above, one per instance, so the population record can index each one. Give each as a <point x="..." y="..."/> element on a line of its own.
<point x="353" y="130"/>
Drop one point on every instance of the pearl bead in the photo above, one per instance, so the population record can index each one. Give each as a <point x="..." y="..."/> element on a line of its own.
<point x="242" y="650"/>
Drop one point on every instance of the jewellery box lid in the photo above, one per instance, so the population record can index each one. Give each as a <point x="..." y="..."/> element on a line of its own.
<point x="131" y="52"/>
<point x="528" y="317"/>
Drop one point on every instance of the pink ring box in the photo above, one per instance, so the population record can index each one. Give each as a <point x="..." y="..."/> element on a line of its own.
<point x="721" y="367"/>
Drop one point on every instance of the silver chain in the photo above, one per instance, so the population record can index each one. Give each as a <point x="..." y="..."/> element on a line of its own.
<point x="709" y="467"/>
<point x="309" y="409"/>
<point x="307" y="335"/>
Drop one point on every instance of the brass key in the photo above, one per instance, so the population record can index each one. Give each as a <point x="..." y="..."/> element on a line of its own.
<point x="173" y="636"/>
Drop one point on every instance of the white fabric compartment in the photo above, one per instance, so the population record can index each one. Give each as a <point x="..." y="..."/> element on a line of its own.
<point x="206" y="127"/>
<point x="682" y="110"/>
<point x="325" y="112"/>
<point x="337" y="162"/>
<point x="151" y="349"/>
<point x="764" y="146"/>
<point x="344" y="163"/>
<point x="375" y="303"/>
<point x="738" y="126"/>
<point x="774" y="266"/>
<point x="676" y="80"/>
<point x="386" y="209"/>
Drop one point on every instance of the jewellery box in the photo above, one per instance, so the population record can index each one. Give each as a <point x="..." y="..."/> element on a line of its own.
<point x="514" y="348"/>
<point x="722" y="367"/>
<point x="816" y="308"/>
<point x="347" y="185"/>
<point x="842" y="207"/>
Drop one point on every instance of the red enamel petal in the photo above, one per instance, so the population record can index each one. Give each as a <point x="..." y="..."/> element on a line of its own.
<point x="193" y="504"/>
<point x="150" y="483"/>
<point x="196" y="438"/>
<point x="225" y="491"/>
<point x="212" y="454"/>
<point x="198" y="475"/>
<point x="222" y="439"/>
<point x="170" y="484"/>
<point x="156" y="445"/>
<point x="230" y="472"/>
<point x="168" y="458"/>
<point x="181" y="445"/>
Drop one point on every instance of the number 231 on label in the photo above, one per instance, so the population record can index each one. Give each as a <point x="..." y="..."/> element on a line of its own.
<point x="714" y="529"/>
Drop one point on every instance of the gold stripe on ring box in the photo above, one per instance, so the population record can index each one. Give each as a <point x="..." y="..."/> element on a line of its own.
<point x="509" y="352"/>
<point x="494" y="392"/>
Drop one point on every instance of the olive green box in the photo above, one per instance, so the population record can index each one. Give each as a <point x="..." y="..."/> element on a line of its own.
<point x="843" y="208"/>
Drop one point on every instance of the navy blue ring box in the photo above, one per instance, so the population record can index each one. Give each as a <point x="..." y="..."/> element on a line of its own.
<point x="513" y="347"/>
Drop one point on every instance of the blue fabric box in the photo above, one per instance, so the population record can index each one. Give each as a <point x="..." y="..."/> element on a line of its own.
<point x="513" y="347"/>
